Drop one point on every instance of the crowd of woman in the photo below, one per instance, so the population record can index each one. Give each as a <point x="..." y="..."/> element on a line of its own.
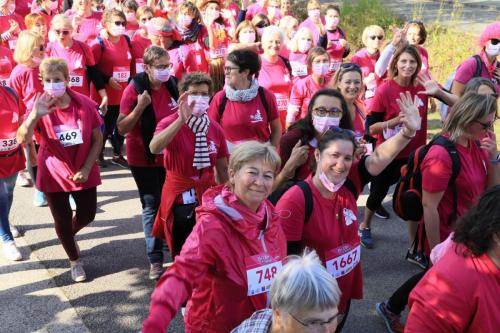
<point x="250" y="138"/>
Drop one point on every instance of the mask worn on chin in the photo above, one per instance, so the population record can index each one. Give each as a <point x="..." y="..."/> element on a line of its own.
<point x="185" y="20"/>
<point x="314" y="13"/>
<point x="304" y="45"/>
<point x="55" y="89"/>
<point x="162" y="75"/>
<point x="247" y="37"/>
<point x="322" y="124"/>
<point x="321" y="69"/>
<point x="131" y="17"/>
<point x="330" y="186"/>
<point x="492" y="50"/>
<point x="117" y="30"/>
<point x="331" y="23"/>
<point x="54" y="5"/>
<point x="201" y="104"/>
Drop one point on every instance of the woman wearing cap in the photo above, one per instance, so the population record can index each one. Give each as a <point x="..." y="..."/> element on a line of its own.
<point x="150" y="97"/>
<point x="11" y="162"/>
<point x="314" y="21"/>
<point x="489" y="41"/>
<point x="245" y="37"/>
<point x="11" y="24"/>
<point x="334" y="39"/>
<point x="70" y="141"/>
<point x="318" y="64"/>
<point x="383" y="122"/>
<point x="299" y="48"/>
<point x="236" y="235"/>
<point x="331" y="228"/>
<point x="275" y="73"/>
<point x="304" y="298"/>
<point x="86" y="23"/>
<point x="245" y="110"/>
<point x="113" y="57"/>
<point x="373" y="39"/>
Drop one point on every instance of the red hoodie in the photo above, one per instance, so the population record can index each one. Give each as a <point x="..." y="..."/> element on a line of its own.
<point x="211" y="268"/>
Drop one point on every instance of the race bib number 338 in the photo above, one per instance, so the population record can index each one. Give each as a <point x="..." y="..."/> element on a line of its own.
<point x="8" y="144"/>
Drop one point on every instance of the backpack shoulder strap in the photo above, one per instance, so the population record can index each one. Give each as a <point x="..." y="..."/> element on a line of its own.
<point x="351" y="187"/>
<point x="222" y="106"/>
<point x="287" y="63"/>
<point x="129" y="43"/>
<point x="263" y="99"/>
<point x="171" y="85"/>
<point x="12" y="92"/>
<point x="101" y="43"/>
<point x="479" y="66"/>
<point x="308" y="200"/>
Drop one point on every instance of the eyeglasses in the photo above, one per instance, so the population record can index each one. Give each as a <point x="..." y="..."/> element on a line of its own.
<point x="118" y="23"/>
<point x="228" y="69"/>
<point x="146" y="19"/>
<point x="316" y="324"/>
<point x="262" y="24"/>
<point x="162" y="66"/>
<point x="486" y="126"/>
<point x="376" y="37"/>
<point x="323" y="112"/>
<point x="494" y="41"/>
<point x="62" y="32"/>
<point x="41" y="48"/>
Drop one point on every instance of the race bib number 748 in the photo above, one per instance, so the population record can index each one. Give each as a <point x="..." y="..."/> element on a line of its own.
<point x="261" y="273"/>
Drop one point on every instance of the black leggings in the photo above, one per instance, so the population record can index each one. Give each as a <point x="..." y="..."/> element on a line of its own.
<point x="399" y="299"/>
<point x="110" y="129"/>
<point x="380" y="184"/>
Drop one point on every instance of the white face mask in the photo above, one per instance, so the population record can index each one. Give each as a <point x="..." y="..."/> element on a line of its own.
<point x="492" y="50"/>
<point x="201" y="104"/>
<point x="54" y="89"/>
<point x="330" y="186"/>
<point x="117" y="30"/>
<point x="162" y="75"/>
<point x="247" y="37"/>
<point x="131" y="17"/>
<point x="272" y="11"/>
<point x="185" y="20"/>
<point x="322" y="124"/>
<point x="314" y="13"/>
<point x="36" y="60"/>
<point x="53" y="5"/>
<point x="331" y="23"/>
<point x="321" y="69"/>
<point x="213" y="14"/>
<point x="260" y="31"/>
<point x="304" y="45"/>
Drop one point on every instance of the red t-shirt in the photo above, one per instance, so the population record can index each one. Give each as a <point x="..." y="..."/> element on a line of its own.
<point x="460" y="293"/>
<point x="179" y="153"/>
<point x="277" y="78"/>
<point x="467" y="69"/>
<point x="26" y="83"/>
<point x="163" y="105"/>
<point x="301" y="94"/>
<point x="244" y="121"/>
<point x="5" y="25"/>
<point x="384" y="102"/>
<point x="139" y="45"/>
<point x="79" y="57"/>
<point x="333" y="225"/>
<point x="89" y="27"/>
<point x="114" y="60"/>
<point x="367" y="63"/>
<point x="10" y="120"/>
<point x="23" y="7"/>
<point x="334" y="48"/>
<point x="6" y="65"/>
<point x="471" y="181"/>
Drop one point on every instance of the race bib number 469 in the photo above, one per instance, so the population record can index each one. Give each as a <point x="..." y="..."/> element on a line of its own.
<point x="70" y="138"/>
<point x="261" y="271"/>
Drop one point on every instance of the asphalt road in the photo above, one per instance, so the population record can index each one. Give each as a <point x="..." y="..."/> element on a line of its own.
<point x="115" y="298"/>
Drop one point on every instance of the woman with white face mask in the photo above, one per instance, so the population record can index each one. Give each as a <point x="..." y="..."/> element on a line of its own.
<point x="245" y="37"/>
<point x="489" y="41"/>
<point x="339" y="178"/>
<point x="299" y="48"/>
<point x="333" y="38"/>
<point x="315" y="21"/>
<point x="196" y="156"/>
<point x="318" y="76"/>
<point x="150" y="97"/>
<point x="113" y="57"/>
<point x="68" y="126"/>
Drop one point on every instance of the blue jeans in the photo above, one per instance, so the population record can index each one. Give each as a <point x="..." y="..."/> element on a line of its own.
<point x="149" y="182"/>
<point x="6" y="195"/>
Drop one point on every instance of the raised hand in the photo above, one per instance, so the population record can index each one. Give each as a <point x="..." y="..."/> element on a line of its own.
<point x="185" y="111"/>
<point x="299" y="154"/>
<point x="431" y="86"/>
<point x="44" y="104"/>
<point x="409" y="114"/>
<point x="489" y="143"/>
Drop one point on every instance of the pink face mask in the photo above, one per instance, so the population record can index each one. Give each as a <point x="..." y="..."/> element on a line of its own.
<point x="321" y="69"/>
<point x="331" y="23"/>
<point x="304" y="45"/>
<point x="54" y="89"/>
<point x="321" y="124"/>
<point x="329" y="185"/>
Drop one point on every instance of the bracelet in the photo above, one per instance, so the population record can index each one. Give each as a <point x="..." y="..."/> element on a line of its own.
<point x="406" y="136"/>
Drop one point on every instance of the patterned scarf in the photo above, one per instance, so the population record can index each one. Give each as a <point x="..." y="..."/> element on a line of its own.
<point x="243" y="95"/>
<point x="189" y="34"/>
<point x="199" y="126"/>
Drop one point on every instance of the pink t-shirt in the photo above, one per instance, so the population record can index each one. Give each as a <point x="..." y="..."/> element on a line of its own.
<point x="6" y="65"/>
<point x="276" y="77"/>
<point x="334" y="48"/>
<point x="11" y="154"/>
<point x="114" y="60"/>
<point x="308" y="23"/>
<point x="89" y="27"/>
<point x="466" y="70"/>
<point x="384" y="102"/>
<point x="298" y="62"/>
<point x="26" y="83"/>
<point x="163" y="105"/>
<point x="301" y="94"/>
<point x="79" y="57"/>
<point x="5" y="25"/>
<point x="367" y="63"/>
<point x="179" y="153"/>
<point x="245" y="121"/>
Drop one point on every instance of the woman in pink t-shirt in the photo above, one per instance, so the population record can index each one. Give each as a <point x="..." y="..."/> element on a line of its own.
<point x="315" y="22"/>
<point x="245" y="37"/>
<point x="86" y="23"/>
<point x="70" y="141"/>
<point x="130" y="9"/>
<point x="299" y="48"/>
<point x="334" y="39"/>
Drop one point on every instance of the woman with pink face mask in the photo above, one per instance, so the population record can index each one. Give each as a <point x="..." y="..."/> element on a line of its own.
<point x="315" y="22"/>
<point x="318" y="62"/>
<point x="11" y="24"/>
<point x="86" y="23"/>
<point x="333" y="38"/>
<point x="245" y="37"/>
<point x="129" y="9"/>
<point x="299" y="48"/>
<point x="70" y="140"/>
<point x="140" y="39"/>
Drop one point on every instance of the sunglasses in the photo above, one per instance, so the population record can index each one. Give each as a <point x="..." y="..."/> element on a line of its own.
<point x="118" y="23"/>
<point x="262" y="25"/>
<point x="62" y="32"/>
<point x="376" y="37"/>
<point x="494" y="41"/>
<point x="486" y="126"/>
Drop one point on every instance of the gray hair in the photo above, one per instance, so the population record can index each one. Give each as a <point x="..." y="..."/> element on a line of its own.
<point x="304" y="284"/>
<point x="270" y="30"/>
<point x="476" y="82"/>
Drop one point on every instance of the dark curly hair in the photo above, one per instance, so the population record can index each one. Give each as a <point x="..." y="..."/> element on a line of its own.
<point x="478" y="226"/>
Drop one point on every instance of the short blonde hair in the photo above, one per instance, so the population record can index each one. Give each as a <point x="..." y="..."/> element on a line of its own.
<point x="287" y="23"/>
<point x="143" y="10"/>
<point x="254" y="150"/>
<point x="371" y="29"/>
<point x="60" y="20"/>
<point x="312" y="4"/>
<point x="243" y="25"/>
<point x="54" y="65"/>
<point x="27" y="42"/>
<point x="32" y="19"/>
<point x="293" y="45"/>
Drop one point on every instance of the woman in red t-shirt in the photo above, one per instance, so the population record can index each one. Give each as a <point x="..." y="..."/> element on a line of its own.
<point x="332" y="227"/>
<point x="11" y="24"/>
<point x="383" y="122"/>
<point x="70" y="140"/>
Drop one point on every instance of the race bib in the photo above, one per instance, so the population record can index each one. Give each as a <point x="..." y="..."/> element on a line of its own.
<point x="335" y="65"/>
<point x="12" y="44"/>
<point x="369" y="93"/>
<point x="298" y="69"/>
<point x="282" y="102"/>
<point x="4" y="81"/>
<point x="121" y="73"/>
<point x="218" y="53"/>
<point x="189" y="197"/>
<point x="261" y="271"/>
<point x="341" y="260"/>
<point x="390" y="132"/>
<point x="139" y="66"/>
<point x="70" y="137"/>
<point x="8" y="144"/>
<point x="75" y="80"/>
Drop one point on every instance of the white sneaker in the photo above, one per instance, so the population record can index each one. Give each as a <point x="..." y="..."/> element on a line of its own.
<point x="14" y="231"/>
<point x="23" y="179"/>
<point x="77" y="272"/>
<point x="11" y="252"/>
